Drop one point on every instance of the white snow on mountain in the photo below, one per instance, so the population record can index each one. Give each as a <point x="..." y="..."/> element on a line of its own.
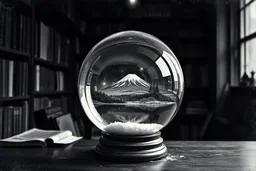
<point x="130" y="80"/>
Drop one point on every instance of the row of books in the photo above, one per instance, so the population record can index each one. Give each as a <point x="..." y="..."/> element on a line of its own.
<point x="48" y="80"/>
<point x="13" y="78"/>
<point x="15" y="30"/>
<point x="50" y="45"/>
<point x="13" y="120"/>
<point x="15" y="33"/>
<point x="196" y="75"/>
<point x="46" y="102"/>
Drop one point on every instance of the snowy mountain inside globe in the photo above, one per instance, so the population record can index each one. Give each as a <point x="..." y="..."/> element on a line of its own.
<point x="133" y="89"/>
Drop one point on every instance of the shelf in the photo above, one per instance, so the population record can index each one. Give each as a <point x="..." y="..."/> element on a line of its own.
<point x="11" y="99"/>
<point x="13" y="54"/>
<point x="50" y="93"/>
<point x="50" y="64"/>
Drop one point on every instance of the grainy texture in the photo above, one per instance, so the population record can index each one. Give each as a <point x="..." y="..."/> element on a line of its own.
<point x="183" y="155"/>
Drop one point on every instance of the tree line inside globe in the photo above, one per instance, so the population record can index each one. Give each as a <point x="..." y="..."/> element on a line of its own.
<point x="152" y="95"/>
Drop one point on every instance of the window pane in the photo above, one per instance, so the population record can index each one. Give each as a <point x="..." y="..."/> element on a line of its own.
<point x="251" y="56"/>
<point x="241" y="3"/>
<point x="250" y="12"/>
<point x="242" y="24"/>
<point x="247" y="1"/>
<point x="242" y="59"/>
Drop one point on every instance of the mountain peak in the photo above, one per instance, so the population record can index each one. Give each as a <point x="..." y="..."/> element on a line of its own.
<point x="130" y="80"/>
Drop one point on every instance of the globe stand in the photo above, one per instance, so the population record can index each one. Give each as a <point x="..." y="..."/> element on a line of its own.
<point x="128" y="149"/>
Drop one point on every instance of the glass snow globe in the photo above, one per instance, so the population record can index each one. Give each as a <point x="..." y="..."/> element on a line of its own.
<point x="131" y="86"/>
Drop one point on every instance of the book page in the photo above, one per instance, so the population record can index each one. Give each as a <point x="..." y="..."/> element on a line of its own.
<point x="32" y="134"/>
<point x="68" y="140"/>
<point x="60" y="136"/>
<point x="64" y="137"/>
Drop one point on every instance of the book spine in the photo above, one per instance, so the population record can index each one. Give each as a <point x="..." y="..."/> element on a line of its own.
<point x="29" y="35"/>
<point x="2" y="25"/>
<point x="4" y="62"/>
<point x="25" y="34"/>
<point x="1" y="78"/>
<point x="15" y="121"/>
<point x="21" y="27"/>
<point x="1" y="123"/>
<point x="14" y="30"/>
<point x="20" y="117"/>
<point x="36" y="40"/>
<point x="8" y="27"/>
<point x="5" y="123"/>
<point x="7" y="78"/>
<point x="9" y="121"/>
<point x="11" y="69"/>
<point x="25" y="116"/>
<point x="26" y="84"/>
<point x="37" y="80"/>
<point x="16" y="78"/>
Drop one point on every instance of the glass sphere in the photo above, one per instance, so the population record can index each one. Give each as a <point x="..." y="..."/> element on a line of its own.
<point x="130" y="83"/>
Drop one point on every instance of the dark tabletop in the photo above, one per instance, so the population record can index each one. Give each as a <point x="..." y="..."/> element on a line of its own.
<point x="182" y="156"/>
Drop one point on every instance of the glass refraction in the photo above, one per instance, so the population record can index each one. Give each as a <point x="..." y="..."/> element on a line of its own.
<point x="130" y="83"/>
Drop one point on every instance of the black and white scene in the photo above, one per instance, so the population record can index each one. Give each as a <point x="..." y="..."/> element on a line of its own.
<point x="134" y="84"/>
<point x="77" y="75"/>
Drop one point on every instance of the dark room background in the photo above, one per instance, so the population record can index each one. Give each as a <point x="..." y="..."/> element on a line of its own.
<point x="43" y="44"/>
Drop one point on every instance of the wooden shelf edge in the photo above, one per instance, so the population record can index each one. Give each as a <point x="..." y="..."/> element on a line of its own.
<point x="10" y="99"/>
<point x="10" y="51"/>
<point x="49" y="64"/>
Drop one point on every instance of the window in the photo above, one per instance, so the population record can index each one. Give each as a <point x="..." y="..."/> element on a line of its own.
<point x="247" y="36"/>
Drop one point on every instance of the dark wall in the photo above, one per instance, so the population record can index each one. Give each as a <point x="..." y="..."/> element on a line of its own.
<point x="222" y="51"/>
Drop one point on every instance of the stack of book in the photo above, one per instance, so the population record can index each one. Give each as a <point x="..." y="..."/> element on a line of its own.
<point x="13" y="78"/>
<point x="13" y="119"/>
<point x="48" y="80"/>
<point x="15" y="30"/>
<point x="50" y="45"/>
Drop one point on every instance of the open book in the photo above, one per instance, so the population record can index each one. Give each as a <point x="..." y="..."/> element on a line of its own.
<point x="41" y="138"/>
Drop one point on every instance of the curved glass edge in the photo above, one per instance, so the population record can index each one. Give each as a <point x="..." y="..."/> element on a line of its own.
<point x="106" y="42"/>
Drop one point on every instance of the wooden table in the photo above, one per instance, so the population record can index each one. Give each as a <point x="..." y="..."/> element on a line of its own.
<point x="183" y="155"/>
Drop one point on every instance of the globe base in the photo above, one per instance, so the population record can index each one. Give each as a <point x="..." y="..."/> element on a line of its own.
<point x="129" y="149"/>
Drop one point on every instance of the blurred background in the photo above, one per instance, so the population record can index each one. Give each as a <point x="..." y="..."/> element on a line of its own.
<point x="43" y="44"/>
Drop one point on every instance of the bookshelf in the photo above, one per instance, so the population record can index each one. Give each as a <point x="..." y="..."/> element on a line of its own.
<point x="34" y="60"/>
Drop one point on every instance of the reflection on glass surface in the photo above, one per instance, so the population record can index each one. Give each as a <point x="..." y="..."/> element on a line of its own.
<point x="250" y="18"/>
<point x="251" y="53"/>
<point x="131" y="83"/>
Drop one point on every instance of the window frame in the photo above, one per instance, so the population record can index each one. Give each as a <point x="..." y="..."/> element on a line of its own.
<point x="246" y="38"/>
